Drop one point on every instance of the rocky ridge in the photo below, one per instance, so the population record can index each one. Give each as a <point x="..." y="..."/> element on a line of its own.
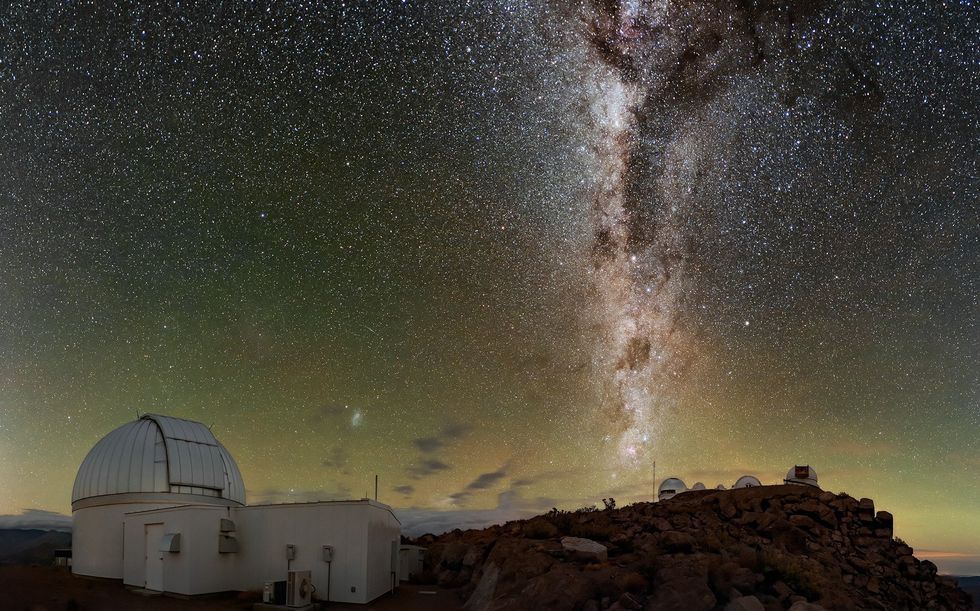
<point x="768" y="548"/>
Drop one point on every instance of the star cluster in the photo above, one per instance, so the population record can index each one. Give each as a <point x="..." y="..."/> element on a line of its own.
<point x="503" y="253"/>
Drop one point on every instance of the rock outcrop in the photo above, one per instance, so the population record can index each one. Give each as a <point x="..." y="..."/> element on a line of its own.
<point x="769" y="548"/>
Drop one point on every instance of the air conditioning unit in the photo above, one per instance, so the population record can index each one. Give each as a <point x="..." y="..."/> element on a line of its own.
<point x="274" y="592"/>
<point x="299" y="588"/>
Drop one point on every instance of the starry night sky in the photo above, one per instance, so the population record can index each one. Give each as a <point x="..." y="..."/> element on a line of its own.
<point x="504" y="254"/>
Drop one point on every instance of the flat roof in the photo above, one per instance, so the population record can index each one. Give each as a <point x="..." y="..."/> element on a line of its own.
<point x="369" y="502"/>
<point x="365" y="501"/>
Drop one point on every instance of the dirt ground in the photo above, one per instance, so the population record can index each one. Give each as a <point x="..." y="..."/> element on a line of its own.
<point x="33" y="588"/>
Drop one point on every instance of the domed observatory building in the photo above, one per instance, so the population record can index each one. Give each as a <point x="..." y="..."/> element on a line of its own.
<point x="670" y="487"/>
<point x="803" y="475"/>
<point x="160" y="504"/>
<point x="747" y="481"/>
<point x="151" y="463"/>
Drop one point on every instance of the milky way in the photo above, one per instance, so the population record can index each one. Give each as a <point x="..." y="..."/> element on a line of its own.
<point x="673" y="87"/>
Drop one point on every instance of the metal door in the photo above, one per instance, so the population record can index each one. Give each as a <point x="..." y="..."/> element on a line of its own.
<point x="154" y="557"/>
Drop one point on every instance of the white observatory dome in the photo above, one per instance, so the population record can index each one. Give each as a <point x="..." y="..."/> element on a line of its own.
<point x="802" y="474"/>
<point x="698" y="486"/>
<point x="158" y="456"/>
<point x="747" y="481"/>
<point x="720" y="487"/>
<point x="670" y="488"/>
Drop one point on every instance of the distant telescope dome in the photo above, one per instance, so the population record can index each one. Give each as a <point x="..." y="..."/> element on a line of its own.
<point x="804" y="475"/>
<point x="747" y="481"/>
<point x="698" y="486"/>
<point x="670" y="488"/>
<point x="720" y="487"/>
<point x="158" y="456"/>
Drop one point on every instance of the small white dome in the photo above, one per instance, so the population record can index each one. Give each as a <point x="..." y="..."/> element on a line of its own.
<point x="720" y="487"/>
<point x="159" y="454"/>
<point x="802" y="474"/>
<point x="747" y="481"/>
<point x="698" y="486"/>
<point x="670" y="488"/>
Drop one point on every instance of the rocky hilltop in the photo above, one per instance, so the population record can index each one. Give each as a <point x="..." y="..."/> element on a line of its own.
<point x="767" y="548"/>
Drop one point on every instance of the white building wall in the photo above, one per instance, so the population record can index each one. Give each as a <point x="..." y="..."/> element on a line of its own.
<point x="384" y="541"/>
<point x="265" y="530"/>
<point x="411" y="559"/>
<point x="198" y="568"/>
<point x="363" y="535"/>
<point x="97" y="538"/>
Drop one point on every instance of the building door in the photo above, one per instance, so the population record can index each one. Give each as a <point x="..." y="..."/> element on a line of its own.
<point x="153" y="557"/>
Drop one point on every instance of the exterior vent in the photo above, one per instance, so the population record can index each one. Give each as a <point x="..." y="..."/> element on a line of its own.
<point x="227" y="544"/>
<point x="170" y="543"/>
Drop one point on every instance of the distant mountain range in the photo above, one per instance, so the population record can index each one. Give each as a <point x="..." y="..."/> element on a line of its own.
<point x="31" y="546"/>
<point x="970" y="585"/>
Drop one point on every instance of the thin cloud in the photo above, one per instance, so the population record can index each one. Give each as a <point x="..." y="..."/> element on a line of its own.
<point x="405" y="490"/>
<point x="545" y="476"/>
<point x="487" y="480"/>
<point x="511" y="505"/>
<point x="428" y="444"/>
<point x="459" y="498"/>
<point x="426" y="467"/>
<point x="416" y="522"/>
<point x="482" y="482"/>
<point x="448" y="434"/>
<point x="932" y="553"/>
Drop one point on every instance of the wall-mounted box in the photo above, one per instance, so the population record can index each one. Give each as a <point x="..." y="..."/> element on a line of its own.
<point x="170" y="542"/>
<point x="227" y="544"/>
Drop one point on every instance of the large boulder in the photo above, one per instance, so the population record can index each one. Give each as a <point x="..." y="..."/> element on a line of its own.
<point x="586" y="550"/>
<point x="482" y="596"/>
<point x="564" y="588"/>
